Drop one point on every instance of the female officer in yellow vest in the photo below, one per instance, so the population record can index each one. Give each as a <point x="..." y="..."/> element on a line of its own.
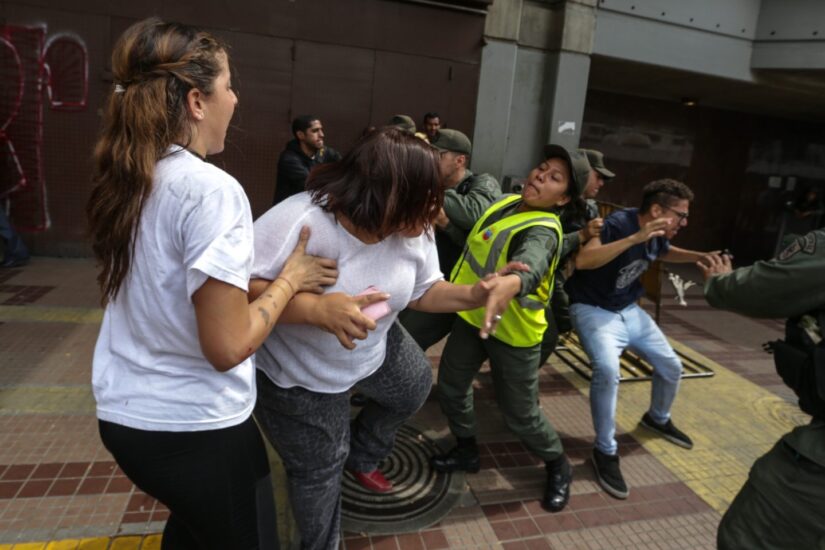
<point x="522" y="228"/>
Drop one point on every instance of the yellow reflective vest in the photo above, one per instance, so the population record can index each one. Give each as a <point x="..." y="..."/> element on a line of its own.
<point x="522" y="323"/>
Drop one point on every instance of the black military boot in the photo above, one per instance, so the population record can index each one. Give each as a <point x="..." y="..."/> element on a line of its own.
<point x="464" y="456"/>
<point x="557" y="490"/>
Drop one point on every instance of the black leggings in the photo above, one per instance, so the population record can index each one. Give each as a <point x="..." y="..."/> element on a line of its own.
<point x="215" y="483"/>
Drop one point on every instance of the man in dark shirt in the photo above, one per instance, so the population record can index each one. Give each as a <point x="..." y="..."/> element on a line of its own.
<point x="603" y="308"/>
<point x="432" y="124"/>
<point x="301" y="155"/>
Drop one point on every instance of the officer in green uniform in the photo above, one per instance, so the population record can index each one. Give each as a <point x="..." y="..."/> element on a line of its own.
<point x="467" y="197"/>
<point x="526" y="229"/>
<point x="581" y="222"/>
<point x="782" y="504"/>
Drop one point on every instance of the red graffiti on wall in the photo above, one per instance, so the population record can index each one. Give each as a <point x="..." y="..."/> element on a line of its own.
<point x="31" y="65"/>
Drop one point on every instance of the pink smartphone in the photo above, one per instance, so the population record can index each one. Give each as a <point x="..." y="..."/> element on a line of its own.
<point x="378" y="309"/>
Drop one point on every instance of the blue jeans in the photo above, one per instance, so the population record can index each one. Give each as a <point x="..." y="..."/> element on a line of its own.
<point x="605" y="334"/>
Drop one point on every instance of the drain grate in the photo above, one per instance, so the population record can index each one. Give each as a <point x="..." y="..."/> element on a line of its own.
<point x="632" y="368"/>
<point x="420" y="497"/>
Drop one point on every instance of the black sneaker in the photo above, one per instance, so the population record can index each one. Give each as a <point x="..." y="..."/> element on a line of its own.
<point x="668" y="431"/>
<point x="609" y="474"/>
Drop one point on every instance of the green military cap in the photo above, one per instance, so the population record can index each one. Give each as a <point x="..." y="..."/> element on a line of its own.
<point x="579" y="166"/>
<point x="403" y="122"/>
<point x="453" y="140"/>
<point x="596" y="159"/>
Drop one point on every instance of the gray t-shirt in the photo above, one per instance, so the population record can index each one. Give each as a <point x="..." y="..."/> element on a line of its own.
<point x="306" y="356"/>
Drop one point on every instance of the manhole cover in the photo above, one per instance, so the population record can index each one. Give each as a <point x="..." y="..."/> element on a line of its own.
<point x="420" y="497"/>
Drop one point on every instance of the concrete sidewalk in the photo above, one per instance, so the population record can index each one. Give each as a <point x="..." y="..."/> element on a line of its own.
<point x="59" y="488"/>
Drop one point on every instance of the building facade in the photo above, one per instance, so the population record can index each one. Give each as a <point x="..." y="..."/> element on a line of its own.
<point x="726" y="96"/>
<point x="352" y="63"/>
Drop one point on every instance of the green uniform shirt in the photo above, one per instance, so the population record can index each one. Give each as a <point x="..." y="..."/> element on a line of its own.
<point x="465" y="203"/>
<point x="572" y="240"/>
<point x="791" y="284"/>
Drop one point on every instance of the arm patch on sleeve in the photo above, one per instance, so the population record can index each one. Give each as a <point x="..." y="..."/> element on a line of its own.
<point x="806" y="245"/>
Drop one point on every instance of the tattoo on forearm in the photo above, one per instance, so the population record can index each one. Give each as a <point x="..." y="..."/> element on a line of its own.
<point x="265" y="315"/>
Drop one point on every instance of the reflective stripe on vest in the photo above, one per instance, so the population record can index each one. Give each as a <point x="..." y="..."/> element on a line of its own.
<point x="522" y="323"/>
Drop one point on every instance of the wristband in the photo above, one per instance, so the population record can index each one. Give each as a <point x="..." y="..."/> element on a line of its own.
<point x="292" y="288"/>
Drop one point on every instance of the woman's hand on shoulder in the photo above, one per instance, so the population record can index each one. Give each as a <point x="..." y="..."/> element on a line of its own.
<point x="308" y="273"/>
<point x="340" y="314"/>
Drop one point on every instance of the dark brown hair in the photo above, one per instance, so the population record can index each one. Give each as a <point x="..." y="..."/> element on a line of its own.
<point x="155" y="65"/>
<point x="388" y="182"/>
<point x="664" y="192"/>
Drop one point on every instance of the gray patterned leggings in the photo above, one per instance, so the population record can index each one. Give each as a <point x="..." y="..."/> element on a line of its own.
<point x="312" y="433"/>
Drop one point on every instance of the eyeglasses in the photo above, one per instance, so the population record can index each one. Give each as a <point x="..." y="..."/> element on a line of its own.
<point x="683" y="216"/>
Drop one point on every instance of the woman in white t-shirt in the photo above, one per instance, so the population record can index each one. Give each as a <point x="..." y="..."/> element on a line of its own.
<point x="371" y="212"/>
<point x="173" y="372"/>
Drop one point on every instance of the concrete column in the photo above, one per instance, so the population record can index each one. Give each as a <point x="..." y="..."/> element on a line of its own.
<point x="495" y="95"/>
<point x="565" y="92"/>
<point x="533" y="83"/>
<point x="566" y="80"/>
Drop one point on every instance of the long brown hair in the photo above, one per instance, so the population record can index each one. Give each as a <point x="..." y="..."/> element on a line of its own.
<point x="388" y="182"/>
<point x="155" y="65"/>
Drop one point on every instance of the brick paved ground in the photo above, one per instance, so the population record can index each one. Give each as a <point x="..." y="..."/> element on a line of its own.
<point x="59" y="488"/>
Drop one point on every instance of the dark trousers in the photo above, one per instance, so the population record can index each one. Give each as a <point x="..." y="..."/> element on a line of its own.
<point x="216" y="483"/>
<point x="516" y="379"/>
<point x="312" y="433"/>
<point x="427" y="329"/>
<point x="14" y="247"/>
<point x="550" y="339"/>
<point x="782" y="505"/>
<point x="557" y="315"/>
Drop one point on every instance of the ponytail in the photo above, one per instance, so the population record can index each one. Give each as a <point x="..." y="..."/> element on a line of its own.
<point x="155" y="65"/>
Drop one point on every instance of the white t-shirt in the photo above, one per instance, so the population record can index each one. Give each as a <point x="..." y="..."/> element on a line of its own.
<point x="306" y="356"/>
<point x="149" y="371"/>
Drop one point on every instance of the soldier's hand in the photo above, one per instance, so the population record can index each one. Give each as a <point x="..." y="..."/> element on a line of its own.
<point x="714" y="264"/>
<point x="593" y="228"/>
<point x="441" y="220"/>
